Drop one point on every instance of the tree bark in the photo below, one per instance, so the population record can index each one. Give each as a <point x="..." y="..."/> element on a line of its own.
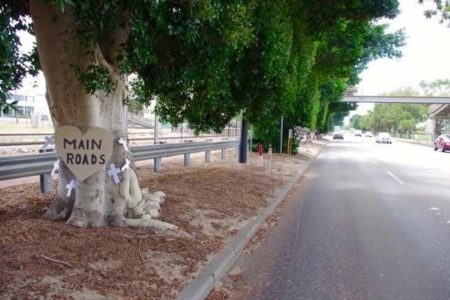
<point x="98" y="201"/>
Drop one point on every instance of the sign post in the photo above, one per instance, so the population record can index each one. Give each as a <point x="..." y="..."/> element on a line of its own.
<point x="269" y="159"/>
<point x="260" y="155"/>
<point x="290" y="142"/>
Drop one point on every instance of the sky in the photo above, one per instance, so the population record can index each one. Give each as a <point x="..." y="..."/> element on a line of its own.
<point x="425" y="56"/>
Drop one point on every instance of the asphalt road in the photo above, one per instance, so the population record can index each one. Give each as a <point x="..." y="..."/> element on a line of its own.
<point x="370" y="222"/>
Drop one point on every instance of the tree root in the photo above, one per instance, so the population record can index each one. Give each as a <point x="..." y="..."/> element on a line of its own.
<point x="139" y="249"/>
<point x="150" y="223"/>
<point x="57" y="211"/>
<point x="57" y="261"/>
<point x="166" y="228"/>
<point x="96" y="205"/>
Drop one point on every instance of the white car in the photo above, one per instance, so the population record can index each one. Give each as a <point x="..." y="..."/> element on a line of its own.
<point x="384" y="138"/>
<point x="368" y="134"/>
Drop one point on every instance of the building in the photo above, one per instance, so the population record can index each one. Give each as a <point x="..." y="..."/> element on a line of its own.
<point x="27" y="106"/>
<point x="31" y="110"/>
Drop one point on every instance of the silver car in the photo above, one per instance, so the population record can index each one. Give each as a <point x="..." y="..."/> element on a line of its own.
<point x="384" y="138"/>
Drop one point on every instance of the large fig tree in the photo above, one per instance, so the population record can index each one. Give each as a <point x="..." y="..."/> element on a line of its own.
<point x="180" y="50"/>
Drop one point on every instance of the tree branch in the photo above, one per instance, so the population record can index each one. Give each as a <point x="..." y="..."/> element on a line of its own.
<point x="113" y="43"/>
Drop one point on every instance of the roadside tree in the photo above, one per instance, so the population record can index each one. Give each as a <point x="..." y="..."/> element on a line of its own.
<point x="327" y="58"/>
<point x="439" y="87"/>
<point x="441" y="8"/>
<point x="355" y="122"/>
<point x="394" y="117"/>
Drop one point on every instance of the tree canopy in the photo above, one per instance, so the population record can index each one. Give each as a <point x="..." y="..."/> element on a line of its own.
<point x="438" y="87"/>
<point x="209" y="60"/>
<point x="442" y="10"/>
<point x="328" y="58"/>
<point x="14" y="65"/>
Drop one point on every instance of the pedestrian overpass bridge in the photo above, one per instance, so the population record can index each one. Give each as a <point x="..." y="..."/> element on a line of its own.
<point x="397" y="99"/>
<point x="439" y="106"/>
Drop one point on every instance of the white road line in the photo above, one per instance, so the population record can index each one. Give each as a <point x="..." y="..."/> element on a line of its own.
<point x="395" y="177"/>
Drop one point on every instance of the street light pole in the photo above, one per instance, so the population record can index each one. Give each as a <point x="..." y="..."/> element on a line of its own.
<point x="243" y="142"/>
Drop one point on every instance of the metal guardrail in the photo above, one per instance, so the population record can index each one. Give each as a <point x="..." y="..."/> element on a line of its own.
<point x="131" y="139"/>
<point x="27" y="134"/>
<point x="42" y="163"/>
<point x="26" y="165"/>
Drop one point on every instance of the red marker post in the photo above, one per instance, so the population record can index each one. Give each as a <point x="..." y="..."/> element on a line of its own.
<point x="260" y="154"/>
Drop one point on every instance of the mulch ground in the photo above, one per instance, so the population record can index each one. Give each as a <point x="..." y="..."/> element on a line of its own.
<point x="46" y="259"/>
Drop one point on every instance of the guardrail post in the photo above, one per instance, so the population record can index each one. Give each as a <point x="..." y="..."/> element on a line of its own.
<point x="157" y="165"/>
<point x="187" y="159"/>
<point x="208" y="155"/>
<point x="45" y="180"/>
<point x="46" y="183"/>
<point x="224" y="154"/>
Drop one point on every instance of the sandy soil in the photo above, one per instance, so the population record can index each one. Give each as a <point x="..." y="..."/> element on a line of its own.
<point x="43" y="259"/>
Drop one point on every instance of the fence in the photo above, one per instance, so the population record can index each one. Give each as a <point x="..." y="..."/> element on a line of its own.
<point x="416" y="142"/>
<point x="418" y="136"/>
<point x="42" y="163"/>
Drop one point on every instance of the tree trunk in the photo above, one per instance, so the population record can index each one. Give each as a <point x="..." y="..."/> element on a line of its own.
<point x="98" y="201"/>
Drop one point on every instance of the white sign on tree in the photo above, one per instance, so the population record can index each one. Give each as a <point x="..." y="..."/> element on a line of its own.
<point x="84" y="154"/>
<point x="70" y="186"/>
<point x="114" y="173"/>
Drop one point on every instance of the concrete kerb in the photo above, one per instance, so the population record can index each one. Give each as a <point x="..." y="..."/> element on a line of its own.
<point x="212" y="273"/>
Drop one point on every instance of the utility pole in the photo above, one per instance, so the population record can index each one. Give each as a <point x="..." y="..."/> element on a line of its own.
<point x="155" y="130"/>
